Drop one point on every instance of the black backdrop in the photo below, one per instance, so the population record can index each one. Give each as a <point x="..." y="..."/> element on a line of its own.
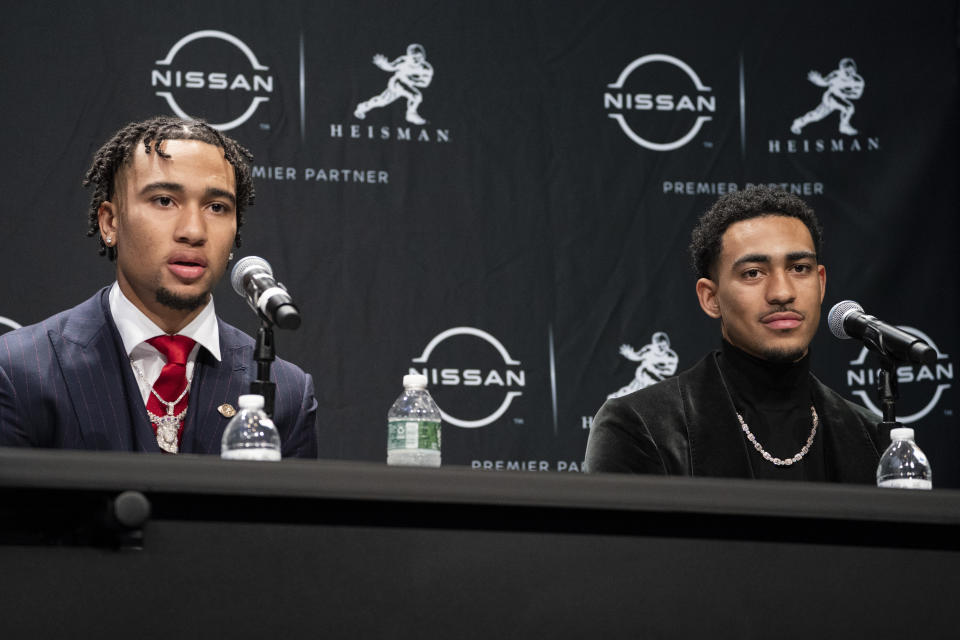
<point x="538" y="220"/>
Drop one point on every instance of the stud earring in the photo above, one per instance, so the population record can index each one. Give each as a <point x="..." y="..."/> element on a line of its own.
<point x="230" y="257"/>
<point x="108" y="240"/>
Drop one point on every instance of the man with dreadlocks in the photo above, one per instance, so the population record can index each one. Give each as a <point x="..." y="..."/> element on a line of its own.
<point x="145" y="364"/>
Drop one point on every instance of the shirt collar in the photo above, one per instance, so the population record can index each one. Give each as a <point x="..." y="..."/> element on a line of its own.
<point x="762" y="382"/>
<point x="135" y="327"/>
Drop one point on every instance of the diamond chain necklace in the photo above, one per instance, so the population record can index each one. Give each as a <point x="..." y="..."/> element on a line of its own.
<point x="169" y="405"/>
<point x="168" y="426"/>
<point x="804" y="450"/>
<point x="777" y="461"/>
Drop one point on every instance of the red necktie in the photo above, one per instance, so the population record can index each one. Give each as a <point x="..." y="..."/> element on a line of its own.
<point x="168" y="420"/>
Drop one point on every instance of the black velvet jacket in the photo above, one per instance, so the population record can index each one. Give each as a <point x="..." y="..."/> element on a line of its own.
<point x="688" y="426"/>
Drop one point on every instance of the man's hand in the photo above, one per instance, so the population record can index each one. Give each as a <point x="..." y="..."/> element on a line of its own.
<point x="381" y="61"/>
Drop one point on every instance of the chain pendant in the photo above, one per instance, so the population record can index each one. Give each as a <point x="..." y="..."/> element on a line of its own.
<point x="167" y="428"/>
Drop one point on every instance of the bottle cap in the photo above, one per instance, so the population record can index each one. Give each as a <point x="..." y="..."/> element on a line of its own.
<point x="414" y="381"/>
<point x="901" y="433"/>
<point x="250" y="401"/>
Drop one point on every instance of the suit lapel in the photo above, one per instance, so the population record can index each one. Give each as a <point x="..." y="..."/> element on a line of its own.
<point x="214" y="384"/>
<point x="851" y="453"/>
<point x="105" y="396"/>
<point x="717" y="445"/>
<point x="97" y="377"/>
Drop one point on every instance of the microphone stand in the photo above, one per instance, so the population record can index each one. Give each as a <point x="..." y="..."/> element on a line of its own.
<point x="888" y="391"/>
<point x="264" y="353"/>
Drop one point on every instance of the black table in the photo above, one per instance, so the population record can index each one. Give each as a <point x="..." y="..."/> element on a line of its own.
<point x="337" y="549"/>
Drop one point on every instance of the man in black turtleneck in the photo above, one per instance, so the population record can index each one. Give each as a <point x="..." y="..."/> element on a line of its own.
<point x="751" y="409"/>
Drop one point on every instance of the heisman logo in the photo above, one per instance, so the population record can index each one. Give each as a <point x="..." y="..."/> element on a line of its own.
<point x="168" y="77"/>
<point x="915" y="382"/>
<point x="482" y="380"/>
<point x="632" y="94"/>
<point x="657" y="361"/>
<point x="411" y="72"/>
<point x="844" y="85"/>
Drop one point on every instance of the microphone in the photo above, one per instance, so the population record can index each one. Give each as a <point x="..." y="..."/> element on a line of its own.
<point x="252" y="278"/>
<point x="847" y="320"/>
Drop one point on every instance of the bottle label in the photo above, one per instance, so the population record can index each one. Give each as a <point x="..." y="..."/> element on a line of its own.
<point x="905" y="483"/>
<point x="253" y="453"/>
<point x="413" y="434"/>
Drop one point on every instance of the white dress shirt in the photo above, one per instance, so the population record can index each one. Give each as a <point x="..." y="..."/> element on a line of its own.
<point x="136" y="328"/>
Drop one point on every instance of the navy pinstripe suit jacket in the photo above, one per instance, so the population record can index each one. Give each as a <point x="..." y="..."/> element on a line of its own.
<point x="67" y="383"/>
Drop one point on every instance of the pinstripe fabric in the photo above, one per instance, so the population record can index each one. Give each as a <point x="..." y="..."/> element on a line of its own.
<point x="66" y="383"/>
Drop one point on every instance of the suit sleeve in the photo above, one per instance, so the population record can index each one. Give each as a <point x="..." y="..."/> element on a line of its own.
<point x="12" y="430"/>
<point x="302" y="440"/>
<point x="620" y="442"/>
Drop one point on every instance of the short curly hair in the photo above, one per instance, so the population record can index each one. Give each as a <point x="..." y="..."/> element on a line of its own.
<point x="118" y="151"/>
<point x="707" y="239"/>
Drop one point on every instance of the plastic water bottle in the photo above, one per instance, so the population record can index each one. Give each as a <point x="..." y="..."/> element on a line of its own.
<point x="903" y="465"/>
<point x="250" y="435"/>
<point x="413" y="426"/>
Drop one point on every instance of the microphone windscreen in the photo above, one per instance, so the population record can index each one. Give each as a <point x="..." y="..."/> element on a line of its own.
<point x="837" y="314"/>
<point x="245" y="266"/>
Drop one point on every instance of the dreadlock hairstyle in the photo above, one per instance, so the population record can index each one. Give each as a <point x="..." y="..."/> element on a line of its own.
<point x="119" y="150"/>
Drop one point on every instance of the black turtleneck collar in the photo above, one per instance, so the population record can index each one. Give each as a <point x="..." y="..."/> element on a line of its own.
<point x="764" y="384"/>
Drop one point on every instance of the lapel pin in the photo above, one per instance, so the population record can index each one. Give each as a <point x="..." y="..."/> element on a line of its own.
<point x="227" y="411"/>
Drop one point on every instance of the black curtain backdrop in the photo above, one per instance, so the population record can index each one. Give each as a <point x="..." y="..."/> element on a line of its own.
<point x="525" y="242"/>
